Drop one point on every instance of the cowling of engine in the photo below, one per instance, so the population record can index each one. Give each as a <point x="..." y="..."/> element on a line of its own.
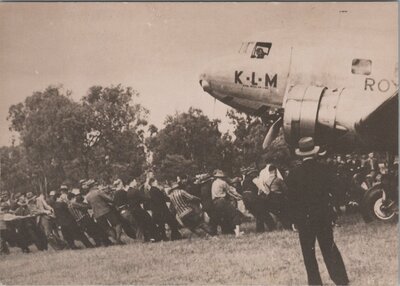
<point x="342" y="118"/>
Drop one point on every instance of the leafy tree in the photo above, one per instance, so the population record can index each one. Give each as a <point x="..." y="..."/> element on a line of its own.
<point x="101" y="137"/>
<point x="191" y="135"/>
<point x="249" y="132"/>
<point x="51" y="128"/>
<point x="16" y="172"/>
<point x="175" y="165"/>
<point x="114" y="128"/>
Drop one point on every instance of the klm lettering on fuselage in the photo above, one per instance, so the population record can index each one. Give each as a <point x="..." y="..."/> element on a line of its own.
<point x="264" y="81"/>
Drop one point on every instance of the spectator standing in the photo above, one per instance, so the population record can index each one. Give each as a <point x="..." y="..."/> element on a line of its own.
<point x="309" y="196"/>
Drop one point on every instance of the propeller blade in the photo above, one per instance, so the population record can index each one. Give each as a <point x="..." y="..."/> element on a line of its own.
<point x="273" y="132"/>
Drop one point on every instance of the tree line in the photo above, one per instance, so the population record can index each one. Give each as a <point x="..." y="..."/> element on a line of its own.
<point x="106" y="135"/>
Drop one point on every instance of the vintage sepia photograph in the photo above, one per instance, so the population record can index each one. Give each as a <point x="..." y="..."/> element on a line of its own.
<point x="199" y="143"/>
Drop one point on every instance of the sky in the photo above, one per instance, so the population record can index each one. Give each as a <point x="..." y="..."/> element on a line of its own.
<point x="159" y="49"/>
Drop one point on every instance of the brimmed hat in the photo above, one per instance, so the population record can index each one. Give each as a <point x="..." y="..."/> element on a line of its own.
<point x="219" y="174"/>
<point x="306" y="147"/>
<point x="75" y="192"/>
<point x="63" y="187"/>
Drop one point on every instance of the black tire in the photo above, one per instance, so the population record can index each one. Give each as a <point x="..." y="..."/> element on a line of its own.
<point x="370" y="210"/>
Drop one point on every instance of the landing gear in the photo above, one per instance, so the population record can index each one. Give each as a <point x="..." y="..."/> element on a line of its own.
<point x="381" y="201"/>
<point x="377" y="206"/>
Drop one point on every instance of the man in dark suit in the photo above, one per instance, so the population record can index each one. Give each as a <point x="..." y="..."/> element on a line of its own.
<point x="310" y="187"/>
<point x="136" y="198"/>
<point x="161" y="214"/>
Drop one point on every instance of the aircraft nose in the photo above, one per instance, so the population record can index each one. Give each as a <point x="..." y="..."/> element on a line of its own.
<point x="204" y="83"/>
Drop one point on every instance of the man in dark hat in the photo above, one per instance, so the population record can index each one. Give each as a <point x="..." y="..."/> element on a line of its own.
<point x="310" y="186"/>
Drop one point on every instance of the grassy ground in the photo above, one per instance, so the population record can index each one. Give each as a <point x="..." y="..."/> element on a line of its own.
<point x="369" y="252"/>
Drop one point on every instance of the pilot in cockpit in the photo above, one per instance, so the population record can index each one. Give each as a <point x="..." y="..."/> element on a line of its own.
<point x="259" y="52"/>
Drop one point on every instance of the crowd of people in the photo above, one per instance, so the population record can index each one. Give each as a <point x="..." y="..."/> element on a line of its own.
<point x="97" y="215"/>
<point x="355" y="174"/>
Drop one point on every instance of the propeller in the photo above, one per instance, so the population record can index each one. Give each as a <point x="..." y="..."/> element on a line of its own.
<point x="272" y="133"/>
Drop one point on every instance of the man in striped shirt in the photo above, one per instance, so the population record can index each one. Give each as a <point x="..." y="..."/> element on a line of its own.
<point x="188" y="209"/>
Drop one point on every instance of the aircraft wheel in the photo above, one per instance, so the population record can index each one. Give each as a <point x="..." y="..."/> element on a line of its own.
<point x="372" y="207"/>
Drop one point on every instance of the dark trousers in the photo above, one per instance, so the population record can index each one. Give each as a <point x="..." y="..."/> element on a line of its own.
<point x="72" y="232"/>
<point x="213" y="219"/>
<point x="194" y="221"/>
<point x="129" y="224"/>
<point x="16" y="234"/>
<point x="227" y="212"/>
<point x="308" y="234"/>
<point x="145" y="224"/>
<point x="88" y="225"/>
<point x="256" y="206"/>
<point x="28" y="229"/>
<point x="165" y="217"/>
<point x="278" y="205"/>
<point x="49" y="228"/>
<point x="3" y="244"/>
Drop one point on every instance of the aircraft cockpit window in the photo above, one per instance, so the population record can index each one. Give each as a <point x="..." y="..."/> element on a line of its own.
<point x="246" y="46"/>
<point x="261" y="49"/>
<point x="361" y="66"/>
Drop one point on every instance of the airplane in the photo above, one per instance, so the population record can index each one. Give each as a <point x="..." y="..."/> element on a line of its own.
<point x="337" y="85"/>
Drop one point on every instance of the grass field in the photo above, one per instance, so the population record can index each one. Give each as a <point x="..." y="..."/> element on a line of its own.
<point x="369" y="252"/>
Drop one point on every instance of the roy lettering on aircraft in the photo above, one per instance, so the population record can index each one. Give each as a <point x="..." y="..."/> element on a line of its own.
<point x="382" y="85"/>
<point x="264" y="81"/>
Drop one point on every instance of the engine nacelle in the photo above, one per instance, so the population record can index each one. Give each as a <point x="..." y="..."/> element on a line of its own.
<point x="311" y="111"/>
<point x="342" y="118"/>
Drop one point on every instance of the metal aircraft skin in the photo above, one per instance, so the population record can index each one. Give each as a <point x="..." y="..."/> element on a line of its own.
<point x="339" y="86"/>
